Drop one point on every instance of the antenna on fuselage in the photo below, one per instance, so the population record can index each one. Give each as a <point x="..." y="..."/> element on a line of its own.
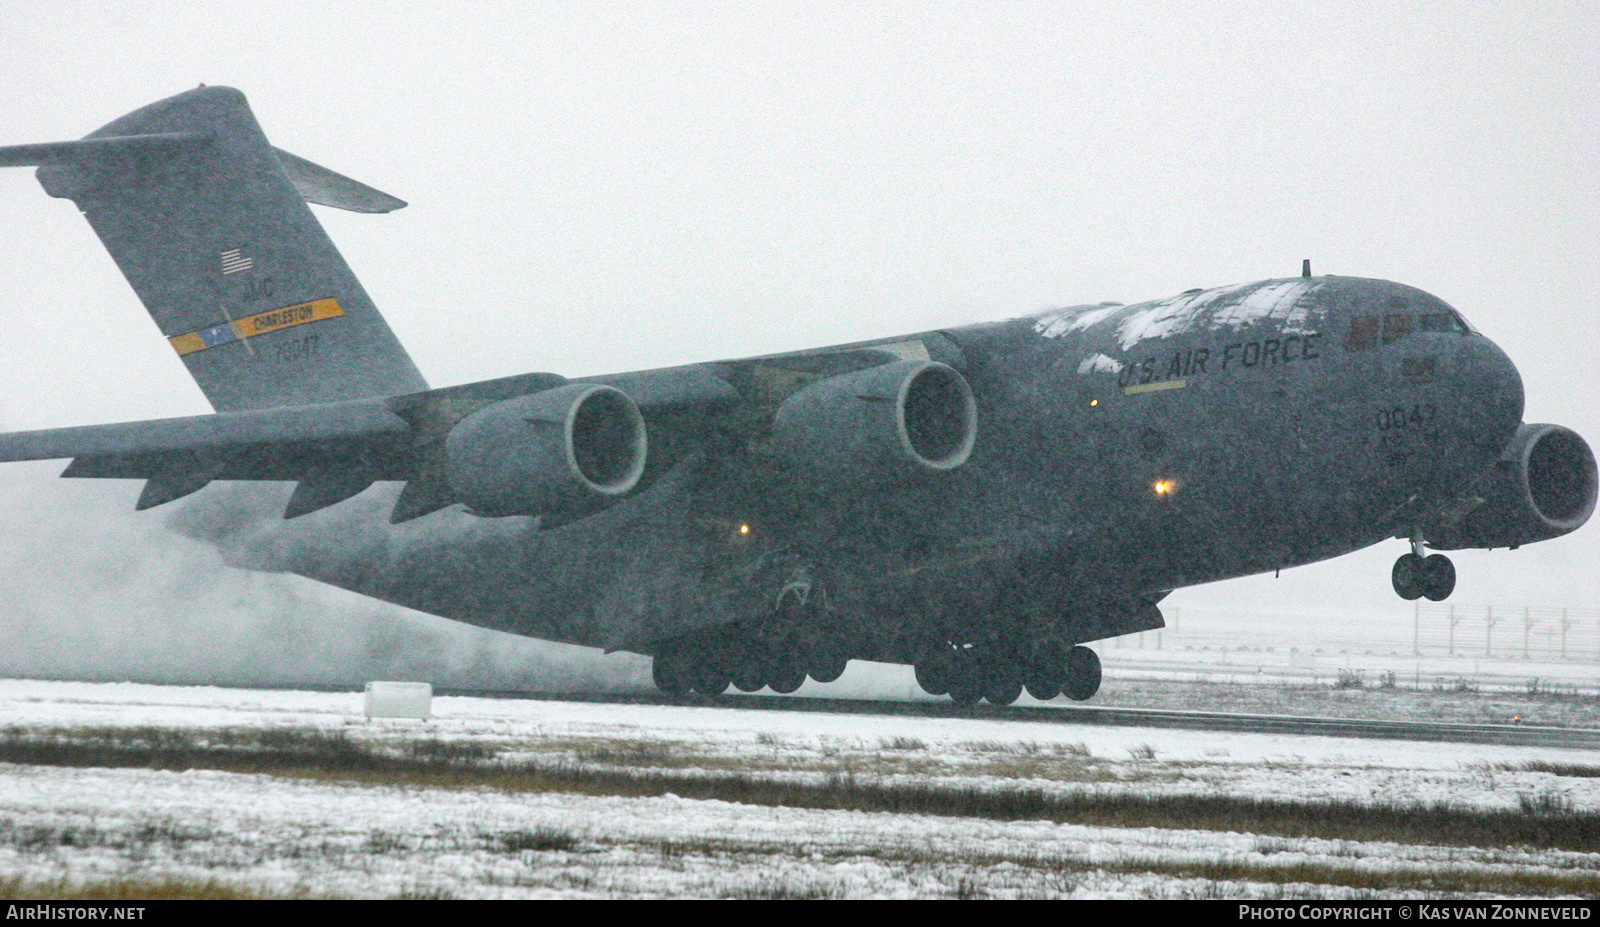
<point x="1305" y="267"/>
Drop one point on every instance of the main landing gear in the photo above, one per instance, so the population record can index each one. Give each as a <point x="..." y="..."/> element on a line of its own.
<point x="1415" y="576"/>
<point x="709" y="666"/>
<point x="799" y="638"/>
<point x="969" y="673"/>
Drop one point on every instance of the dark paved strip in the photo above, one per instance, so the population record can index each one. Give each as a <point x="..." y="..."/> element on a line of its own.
<point x="1510" y="735"/>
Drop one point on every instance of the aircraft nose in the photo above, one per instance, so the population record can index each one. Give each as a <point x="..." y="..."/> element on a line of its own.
<point x="1492" y="388"/>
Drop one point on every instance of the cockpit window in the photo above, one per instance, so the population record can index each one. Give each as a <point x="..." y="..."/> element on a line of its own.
<point x="1441" y="322"/>
<point x="1435" y="315"/>
<point x="1397" y="326"/>
<point x="1428" y="315"/>
<point x="1363" y="333"/>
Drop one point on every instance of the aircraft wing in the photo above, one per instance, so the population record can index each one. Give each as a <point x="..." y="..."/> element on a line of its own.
<point x="346" y="445"/>
<point x="494" y="445"/>
<point x="333" y="450"/>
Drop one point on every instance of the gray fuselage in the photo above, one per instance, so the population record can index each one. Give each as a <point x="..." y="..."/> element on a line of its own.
<point x="1123" y="452"/>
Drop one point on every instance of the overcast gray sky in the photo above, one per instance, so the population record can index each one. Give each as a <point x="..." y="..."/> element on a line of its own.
<point x="603" y="187"/>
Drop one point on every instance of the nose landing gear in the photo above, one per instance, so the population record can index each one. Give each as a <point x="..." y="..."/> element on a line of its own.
<point x="1415" y="576"/>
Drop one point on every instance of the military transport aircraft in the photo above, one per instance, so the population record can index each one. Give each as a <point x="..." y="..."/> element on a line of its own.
<point x="978" y="502"/>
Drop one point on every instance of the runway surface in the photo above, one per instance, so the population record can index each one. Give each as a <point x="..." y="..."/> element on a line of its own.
<point x="1512" y="735"/>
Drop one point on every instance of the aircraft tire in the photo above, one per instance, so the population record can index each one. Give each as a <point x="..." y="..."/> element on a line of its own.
<point x="933" y="677"/>
<point x="708" y="679"/>
<point x="966" y="678"/>
<point x="1406" y="577"/>
<point x="747" y="665"/>
<point x="965" y="692"/>
<point x="1045" y="672"/>
<point x="1083" y="674"/>
<point x="1438" y="577"/>
<point x="1043" y="691"/>
<point x="785" y="679"/>
<point x="1003" y="689"/>
<point x="669" y="669"/>
<point x="827" y="665"/>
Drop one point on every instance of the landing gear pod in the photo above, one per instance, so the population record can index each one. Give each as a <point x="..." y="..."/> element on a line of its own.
<point x="569" y="450"/>
<point x="878" y="424"/>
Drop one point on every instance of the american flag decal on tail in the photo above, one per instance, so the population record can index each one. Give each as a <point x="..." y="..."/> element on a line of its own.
<point x="233" y="262"/>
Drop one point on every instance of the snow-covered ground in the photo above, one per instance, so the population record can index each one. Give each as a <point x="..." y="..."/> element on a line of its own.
<point x="318" y="836"/>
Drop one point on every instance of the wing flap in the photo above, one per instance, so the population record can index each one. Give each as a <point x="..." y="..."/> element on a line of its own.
<point x="168" y="488"/>
<point x="322" y="488"/>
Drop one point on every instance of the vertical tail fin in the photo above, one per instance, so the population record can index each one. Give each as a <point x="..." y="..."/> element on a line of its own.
<point x="209" y="224"/>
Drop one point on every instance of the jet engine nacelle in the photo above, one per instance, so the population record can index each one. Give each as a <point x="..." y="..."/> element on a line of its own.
<point x="882" y="423"/>
<point x="565" y="451"/>
<point x="1543" y="486"/>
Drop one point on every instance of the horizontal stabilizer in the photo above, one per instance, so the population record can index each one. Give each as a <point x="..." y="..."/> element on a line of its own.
<point x="90" y="149"/>
<point x="314" y="183"/>
<point x="317" y="184"/>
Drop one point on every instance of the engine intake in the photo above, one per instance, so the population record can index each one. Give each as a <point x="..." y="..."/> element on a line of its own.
<point x="565" y="451"/>
<point x="885" y="422"/>
<point x="1543" y="486"/>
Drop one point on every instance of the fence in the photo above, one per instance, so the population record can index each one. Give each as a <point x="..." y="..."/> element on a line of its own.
<point x="1506" y="632"/>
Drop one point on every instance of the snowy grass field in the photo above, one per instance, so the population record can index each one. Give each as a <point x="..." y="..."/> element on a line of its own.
<point x="118" y="789"/>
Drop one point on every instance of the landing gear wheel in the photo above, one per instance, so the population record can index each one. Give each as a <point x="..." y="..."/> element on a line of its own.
<point x="1042" y="691"/>
<point x="827" y="666"/>
<point x="709" y="679"/>
<point x="1407" y="576"/>
<point x="965" y="691"/>
<point x="966" y="677"/>
<point x="671" y="670"/>
<point x="785" y="679"/>
<point x="1438" y="577"/>
<point x="940" y="667"/>
<point x="934" y="677"/>
<point x="1003" y="689"/>
<point x="1045" y="672"/>
<point x="1083" y="674"/>
<point x="746" y="677"/>
<point x="746" y="666"/>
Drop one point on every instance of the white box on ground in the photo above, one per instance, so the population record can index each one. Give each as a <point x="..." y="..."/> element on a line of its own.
<point x="399" y="700"/>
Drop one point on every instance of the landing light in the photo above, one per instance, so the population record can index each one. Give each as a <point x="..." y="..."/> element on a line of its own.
<point x="1094" y="402"/>
<point x="1163" y="487"/>
<point x="744" y="529"/>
